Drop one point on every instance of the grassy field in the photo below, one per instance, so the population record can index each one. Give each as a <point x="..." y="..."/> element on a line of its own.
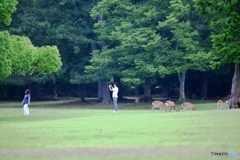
<point x="69" y="130"/>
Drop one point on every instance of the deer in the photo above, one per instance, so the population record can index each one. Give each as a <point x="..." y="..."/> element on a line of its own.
<point x="219" y="104"/>
<point x="171" y="106"/>
<point x="188" y="105"/>
<point x="158" y="104"/>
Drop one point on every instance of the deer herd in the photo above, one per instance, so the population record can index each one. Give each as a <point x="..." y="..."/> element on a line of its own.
<point x="169" y="106"/>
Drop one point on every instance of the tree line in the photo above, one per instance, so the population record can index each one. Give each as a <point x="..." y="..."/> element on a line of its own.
<point x="137" y="43"/>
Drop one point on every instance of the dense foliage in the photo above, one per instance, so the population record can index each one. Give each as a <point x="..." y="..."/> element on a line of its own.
<point x="147" y="45"/>
<point x="224" y="19"/>
<point x="6" y="10"/>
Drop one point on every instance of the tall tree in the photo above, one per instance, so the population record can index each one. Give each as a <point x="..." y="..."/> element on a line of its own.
<point x="184" y="52"/>
<point x="63" y="23"/>
<point x="106" y="64"/>
<point x="7" y="8"/>
<point x="224" y="19"/>
<point x="132" y="43"/>
<point x="18" y="54"/>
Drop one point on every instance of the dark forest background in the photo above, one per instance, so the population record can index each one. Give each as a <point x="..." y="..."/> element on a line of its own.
<point x="103" y="41"/>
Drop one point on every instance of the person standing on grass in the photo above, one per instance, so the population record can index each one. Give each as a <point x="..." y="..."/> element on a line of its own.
<point x="114" y="89"/>
<point x="26" y="102"/>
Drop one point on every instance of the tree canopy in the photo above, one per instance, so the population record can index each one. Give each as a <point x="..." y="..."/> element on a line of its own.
<point x="137" y="41"/>
<point x="147" y="39"/>
<point x="224" y="19"/>
<point x="17" y="53"/>
<point x="7" y="8"/>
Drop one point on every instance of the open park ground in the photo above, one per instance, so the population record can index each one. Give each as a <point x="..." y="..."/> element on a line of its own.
<point x="70" y="130"/>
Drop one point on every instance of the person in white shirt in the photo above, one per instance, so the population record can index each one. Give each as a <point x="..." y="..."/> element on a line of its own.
<point x="114" y="90"/>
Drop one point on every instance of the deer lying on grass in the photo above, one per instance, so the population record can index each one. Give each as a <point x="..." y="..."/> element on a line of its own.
<point x="188" y="105"/>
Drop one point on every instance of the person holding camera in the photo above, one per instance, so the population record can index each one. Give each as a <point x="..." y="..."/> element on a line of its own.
<point x="114" y="90"/>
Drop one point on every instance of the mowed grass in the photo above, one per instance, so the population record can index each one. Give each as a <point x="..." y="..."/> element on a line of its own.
<point x="73" y="131"/>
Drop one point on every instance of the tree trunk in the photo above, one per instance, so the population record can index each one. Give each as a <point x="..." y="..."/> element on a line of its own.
<point x="147" y="90"/>
<point x="204" y="89"/>
<point x="100" y="93"/>
<point x="82" y="92"/>
<point x="118" y="80"/>
<point x="181" y="78"/>
<point x="235" y="91"/>
<point x="103" y="89"/>
<point x="105" y="92"/>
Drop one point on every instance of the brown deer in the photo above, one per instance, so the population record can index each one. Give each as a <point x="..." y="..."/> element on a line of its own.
<point x="219" y="104"/>
<point x="188" y="105"/>
<point x="170" y="106"/>
<point x="158" y="104"/>
<point x="228" y="102"/>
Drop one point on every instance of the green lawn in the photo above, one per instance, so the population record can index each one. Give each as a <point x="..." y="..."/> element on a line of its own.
<point x="72" y="131"/>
